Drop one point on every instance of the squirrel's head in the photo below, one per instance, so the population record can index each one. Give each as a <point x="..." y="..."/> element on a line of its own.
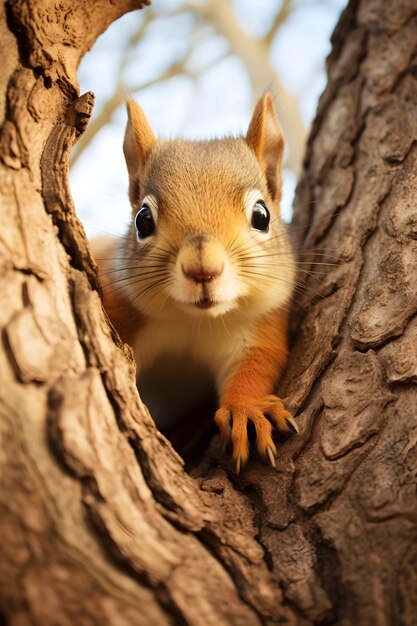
<point x="206" y="235"/>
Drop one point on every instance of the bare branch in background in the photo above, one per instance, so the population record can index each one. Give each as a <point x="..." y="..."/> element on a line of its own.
<point x="110" y="106"/>
<point x="253" y="52"/>
<point x="279" y="20"/>
<point x="104" y="117"/>
<point x="255" y="55"/>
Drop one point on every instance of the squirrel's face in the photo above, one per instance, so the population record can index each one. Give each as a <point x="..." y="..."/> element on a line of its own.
<point x="206" y="237"/>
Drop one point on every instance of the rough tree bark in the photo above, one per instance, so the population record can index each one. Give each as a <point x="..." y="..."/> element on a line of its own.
<point x="99" y="522"/>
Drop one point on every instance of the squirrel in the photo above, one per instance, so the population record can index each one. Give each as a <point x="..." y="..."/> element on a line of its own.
<point x="200" y="285"/>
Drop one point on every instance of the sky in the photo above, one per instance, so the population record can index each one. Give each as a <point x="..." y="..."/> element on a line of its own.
<point x="216" y="99"/>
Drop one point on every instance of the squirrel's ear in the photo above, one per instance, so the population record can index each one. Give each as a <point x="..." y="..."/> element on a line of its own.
<point x="265" y="138"/>
<point x="138" y="142"/>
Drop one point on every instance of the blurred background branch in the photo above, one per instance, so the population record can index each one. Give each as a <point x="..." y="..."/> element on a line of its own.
<point x="197" y="67"/>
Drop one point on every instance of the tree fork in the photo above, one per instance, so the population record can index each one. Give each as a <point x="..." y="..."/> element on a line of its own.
<point x="100" y="524"/>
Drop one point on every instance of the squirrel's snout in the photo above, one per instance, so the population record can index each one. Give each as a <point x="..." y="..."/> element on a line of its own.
<point x="204" y="280"/>
<point x="201" y="274"/>
<point x="202" y="260"/>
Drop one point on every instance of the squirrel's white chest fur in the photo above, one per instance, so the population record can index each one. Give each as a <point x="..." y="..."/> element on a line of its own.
<point x="183" y="359"/>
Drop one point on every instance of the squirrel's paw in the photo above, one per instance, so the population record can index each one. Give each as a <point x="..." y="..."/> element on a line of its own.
<point x="233" y="420"/>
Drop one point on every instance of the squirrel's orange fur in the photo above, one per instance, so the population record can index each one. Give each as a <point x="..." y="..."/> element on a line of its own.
<point x="208" y="286"/>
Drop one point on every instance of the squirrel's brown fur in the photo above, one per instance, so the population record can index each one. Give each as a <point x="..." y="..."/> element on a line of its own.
<point x="206" y="286"/>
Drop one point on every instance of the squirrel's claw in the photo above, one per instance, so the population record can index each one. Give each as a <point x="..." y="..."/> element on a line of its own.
<point x="264" y="414"/>
<point x="293" y="425"/>
<point x="271" y="456"/>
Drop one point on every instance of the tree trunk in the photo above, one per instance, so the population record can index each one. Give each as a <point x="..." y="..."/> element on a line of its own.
<point x="99" y="522"/>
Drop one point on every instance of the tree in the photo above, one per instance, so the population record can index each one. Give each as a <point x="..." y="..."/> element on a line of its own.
<point x="100" y="524"/>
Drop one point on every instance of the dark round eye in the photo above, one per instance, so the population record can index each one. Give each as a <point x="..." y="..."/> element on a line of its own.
<point x="260" y="216"/>
<point x="144" y="223"/>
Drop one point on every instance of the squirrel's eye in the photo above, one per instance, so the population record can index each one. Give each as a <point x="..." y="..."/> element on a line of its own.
<point x="144" y="223"/>
<point x="260" y="216"/>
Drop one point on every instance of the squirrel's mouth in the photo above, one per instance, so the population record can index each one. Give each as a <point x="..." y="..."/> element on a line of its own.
<point x="207" y="307"/>
<point x="204" y="303"/>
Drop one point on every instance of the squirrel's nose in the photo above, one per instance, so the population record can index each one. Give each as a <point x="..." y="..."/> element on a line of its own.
<point x="201" y="274"/>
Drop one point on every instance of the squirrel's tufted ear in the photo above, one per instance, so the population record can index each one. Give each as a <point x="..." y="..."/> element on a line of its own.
<point x="265" y="138"/>
<point x="138" y="142"/>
